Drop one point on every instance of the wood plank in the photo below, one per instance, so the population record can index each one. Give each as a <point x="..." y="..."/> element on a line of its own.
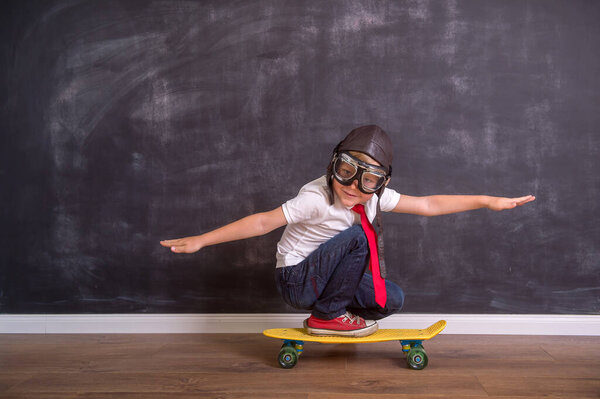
<point x="541" y="386"/>
<point x="439" y="365"/>
<point x="581" y="352"/>
<point x="57" y="339"/>
<point x="422" y="396"/>
<point x="155" y="395"/>
<point x="10" y="379"/>
<point x="408" y="383"/>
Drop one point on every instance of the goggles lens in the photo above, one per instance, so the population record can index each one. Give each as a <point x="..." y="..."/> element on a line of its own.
<point x="347" y="169"/>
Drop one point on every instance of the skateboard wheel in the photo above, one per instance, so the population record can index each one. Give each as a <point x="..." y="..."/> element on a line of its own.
<point x="417" y="358"/>
<point x="288" y="357"/>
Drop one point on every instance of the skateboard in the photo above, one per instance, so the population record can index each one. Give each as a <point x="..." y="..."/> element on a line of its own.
<point x="411" y="341"/>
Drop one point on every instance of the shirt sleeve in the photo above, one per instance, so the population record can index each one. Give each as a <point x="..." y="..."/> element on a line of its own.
<point x="305" y="206"/>
<point x="389" y="199"/>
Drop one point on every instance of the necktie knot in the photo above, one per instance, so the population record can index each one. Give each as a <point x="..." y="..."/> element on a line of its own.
<point x="359" y="208"/>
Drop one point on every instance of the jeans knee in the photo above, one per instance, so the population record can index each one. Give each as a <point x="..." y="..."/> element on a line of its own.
<point x="359" y="238"/>
<point x="395" y="298"/>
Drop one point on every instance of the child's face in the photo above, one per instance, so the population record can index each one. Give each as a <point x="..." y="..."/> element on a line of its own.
<point x="350" y="195"/>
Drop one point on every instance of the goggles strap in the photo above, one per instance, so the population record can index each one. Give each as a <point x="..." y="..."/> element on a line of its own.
<point x="380" y="248"/>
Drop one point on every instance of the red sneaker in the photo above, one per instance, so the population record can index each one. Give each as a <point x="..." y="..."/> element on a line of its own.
<point x="347" y="325"/>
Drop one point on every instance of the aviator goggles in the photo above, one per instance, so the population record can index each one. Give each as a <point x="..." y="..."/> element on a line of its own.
<point x="347" y="168"/>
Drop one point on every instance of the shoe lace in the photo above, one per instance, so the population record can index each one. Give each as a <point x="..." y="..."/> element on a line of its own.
<point x="351" y="319"/>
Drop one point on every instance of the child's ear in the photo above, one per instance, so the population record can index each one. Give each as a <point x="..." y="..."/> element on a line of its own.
<point x="387" y="181"/>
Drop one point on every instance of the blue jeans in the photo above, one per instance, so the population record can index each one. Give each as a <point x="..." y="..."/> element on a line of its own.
<point x="333" y="280"/>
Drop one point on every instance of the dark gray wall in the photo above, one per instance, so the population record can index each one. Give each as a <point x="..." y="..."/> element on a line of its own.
<point x="123" y="123"/>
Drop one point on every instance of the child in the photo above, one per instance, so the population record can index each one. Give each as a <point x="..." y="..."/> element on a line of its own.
<point x="329" y="242"/>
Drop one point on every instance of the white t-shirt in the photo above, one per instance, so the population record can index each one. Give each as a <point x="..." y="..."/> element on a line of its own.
<point x="313" y="221"/>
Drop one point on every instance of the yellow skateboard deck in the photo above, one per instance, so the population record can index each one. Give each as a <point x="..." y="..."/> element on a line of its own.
<point x="411" y="339"/>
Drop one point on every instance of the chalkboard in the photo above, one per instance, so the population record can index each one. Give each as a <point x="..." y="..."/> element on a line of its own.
<point x="127" y="122"/>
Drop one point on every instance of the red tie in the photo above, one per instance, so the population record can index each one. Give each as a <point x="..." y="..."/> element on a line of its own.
<point x="378" y="281"/>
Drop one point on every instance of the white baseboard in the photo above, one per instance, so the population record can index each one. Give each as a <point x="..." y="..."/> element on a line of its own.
<point x="255" y="323"/>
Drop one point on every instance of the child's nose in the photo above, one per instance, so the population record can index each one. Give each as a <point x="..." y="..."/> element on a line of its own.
<point x="355" y="183"/>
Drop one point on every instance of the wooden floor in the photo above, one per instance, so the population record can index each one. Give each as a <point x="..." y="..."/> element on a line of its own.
<point x="244" y="366"/>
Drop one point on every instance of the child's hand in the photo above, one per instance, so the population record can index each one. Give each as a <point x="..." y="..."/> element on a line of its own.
<point x="502" y="203"/>
<point x="185" y="245"/>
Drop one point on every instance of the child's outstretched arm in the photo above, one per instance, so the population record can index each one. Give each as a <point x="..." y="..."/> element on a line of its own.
<point x="250" y="226"/>
<point x="434" y="205"/>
